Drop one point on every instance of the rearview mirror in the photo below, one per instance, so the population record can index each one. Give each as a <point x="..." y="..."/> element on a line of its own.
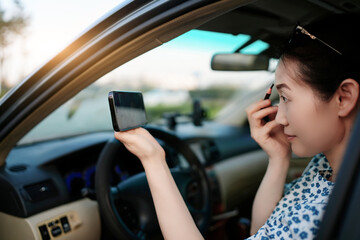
<point x="239" y="62"/>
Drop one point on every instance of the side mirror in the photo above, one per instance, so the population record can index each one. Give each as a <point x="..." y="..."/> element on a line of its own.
<point x="239" y="62"/>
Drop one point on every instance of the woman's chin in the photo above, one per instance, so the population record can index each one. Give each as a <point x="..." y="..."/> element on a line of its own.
<point x="302" y="151"/>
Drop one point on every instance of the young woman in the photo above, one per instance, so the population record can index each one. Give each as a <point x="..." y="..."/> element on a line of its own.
<point x="318" y="82"/>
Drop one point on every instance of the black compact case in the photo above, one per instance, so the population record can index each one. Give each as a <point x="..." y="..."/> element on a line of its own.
<point x="127" y="110"/>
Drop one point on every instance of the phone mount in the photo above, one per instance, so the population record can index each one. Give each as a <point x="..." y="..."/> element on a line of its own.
<point x="198" y="115"/>
<point x="171" y="119"/>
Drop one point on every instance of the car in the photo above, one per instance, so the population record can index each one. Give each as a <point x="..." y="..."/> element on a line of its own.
<point x="64" y="176"/>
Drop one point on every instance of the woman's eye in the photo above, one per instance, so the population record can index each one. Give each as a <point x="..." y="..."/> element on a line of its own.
<point x="284" y="98"/>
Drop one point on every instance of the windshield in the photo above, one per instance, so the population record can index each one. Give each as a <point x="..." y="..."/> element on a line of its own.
<point x="171" y="77"/>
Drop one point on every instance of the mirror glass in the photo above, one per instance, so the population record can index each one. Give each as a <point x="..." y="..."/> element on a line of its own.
<point x="239" y="62"/>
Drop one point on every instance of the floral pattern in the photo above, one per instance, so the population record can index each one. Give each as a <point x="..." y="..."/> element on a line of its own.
<point x="298" y="214"/>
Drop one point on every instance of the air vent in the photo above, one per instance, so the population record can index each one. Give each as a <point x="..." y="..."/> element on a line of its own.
<point x="41" y="191"/>
<point x="18" y="168"/>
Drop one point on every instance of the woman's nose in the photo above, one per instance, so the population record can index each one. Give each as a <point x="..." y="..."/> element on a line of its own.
<point x="281" y="116"/>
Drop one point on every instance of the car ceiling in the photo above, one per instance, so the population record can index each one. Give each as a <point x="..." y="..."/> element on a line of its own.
<point x="272" y="21"/>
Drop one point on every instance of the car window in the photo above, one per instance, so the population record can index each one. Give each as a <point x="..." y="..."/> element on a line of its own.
<point x="170" y="77"/>
<point x="33" y="31"/>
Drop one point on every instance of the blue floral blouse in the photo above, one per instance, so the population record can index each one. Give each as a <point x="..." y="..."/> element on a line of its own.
<point x="299" y="212"/>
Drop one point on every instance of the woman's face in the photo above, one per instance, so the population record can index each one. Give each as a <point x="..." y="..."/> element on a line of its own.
<point x="310" y="124"/>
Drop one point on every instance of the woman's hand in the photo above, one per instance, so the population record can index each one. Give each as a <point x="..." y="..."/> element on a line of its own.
<point x="174" y="217"/>
<point x="269" y="135"/>
<point x="141" y="143"/>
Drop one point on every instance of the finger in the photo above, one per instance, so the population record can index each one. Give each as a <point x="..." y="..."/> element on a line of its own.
<point x="269" y="127"/>
<point x="134" y="135"/>
<point x="146" y="134"/>
<point x="125" y="136"/>
<point x="272" y="116"/>
<point x="132" y="140"/>
<point x="259" y="115"/>
<point x="265" y="128"/>
<point x="257" y="119"/>
<point x="257" y="106"/>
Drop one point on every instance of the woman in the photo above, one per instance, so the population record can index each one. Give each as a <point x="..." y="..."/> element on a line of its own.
<point x="318" y="82"/>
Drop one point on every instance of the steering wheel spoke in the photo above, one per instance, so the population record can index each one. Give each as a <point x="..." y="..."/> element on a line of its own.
<point x="141" y="234"/>
<point x="115" y="193"/>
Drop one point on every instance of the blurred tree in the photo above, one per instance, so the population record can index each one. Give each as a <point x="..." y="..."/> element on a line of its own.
<point x="11" y="25"/>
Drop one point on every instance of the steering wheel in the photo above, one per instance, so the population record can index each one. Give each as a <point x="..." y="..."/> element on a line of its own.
<point x="127" y="208"/>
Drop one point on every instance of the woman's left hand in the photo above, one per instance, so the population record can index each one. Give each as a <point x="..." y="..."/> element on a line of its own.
<point x="141" y="143"/>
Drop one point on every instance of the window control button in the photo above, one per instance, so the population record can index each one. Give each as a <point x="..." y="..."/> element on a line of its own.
<point x="65" y="224"/>
<point x="44" y="232"/>
<point x="56" y="231"/>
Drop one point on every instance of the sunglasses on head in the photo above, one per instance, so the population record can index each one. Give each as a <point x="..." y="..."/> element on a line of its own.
<point x="301" y="30"/>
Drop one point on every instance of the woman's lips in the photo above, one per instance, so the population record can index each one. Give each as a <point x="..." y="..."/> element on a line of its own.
<point x="290" y="137"/>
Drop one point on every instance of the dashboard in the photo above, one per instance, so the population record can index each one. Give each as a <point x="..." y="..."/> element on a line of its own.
<point x="51" y="189"/>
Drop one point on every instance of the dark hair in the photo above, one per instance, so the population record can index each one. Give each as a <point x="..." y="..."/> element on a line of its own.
<point x="321" y="67"/>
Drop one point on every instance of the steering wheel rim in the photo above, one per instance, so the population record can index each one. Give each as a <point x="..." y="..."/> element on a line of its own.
<point x="105" y="196"/>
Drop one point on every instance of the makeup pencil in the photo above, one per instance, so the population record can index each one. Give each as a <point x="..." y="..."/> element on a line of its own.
<point x="268" y="92"/>
<point x="267" y="96"/>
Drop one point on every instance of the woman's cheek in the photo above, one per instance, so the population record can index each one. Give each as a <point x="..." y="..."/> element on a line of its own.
<point x="308" y="130"/>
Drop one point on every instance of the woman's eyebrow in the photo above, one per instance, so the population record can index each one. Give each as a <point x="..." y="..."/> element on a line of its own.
<point x="282" y="85"/>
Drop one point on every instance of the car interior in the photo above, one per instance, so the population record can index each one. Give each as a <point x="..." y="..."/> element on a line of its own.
<point x="64" y="176"/>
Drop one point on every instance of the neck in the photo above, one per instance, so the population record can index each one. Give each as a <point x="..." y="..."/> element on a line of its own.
<point x="336" y="153"/>
<point x="335" y="163"/>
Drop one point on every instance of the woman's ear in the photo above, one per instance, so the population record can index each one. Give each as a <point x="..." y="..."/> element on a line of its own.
<point x="347" y="96"/>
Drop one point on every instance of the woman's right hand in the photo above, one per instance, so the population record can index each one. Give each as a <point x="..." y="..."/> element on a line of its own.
<point x="269" y="135"/>
<point x="271" y="138"/>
